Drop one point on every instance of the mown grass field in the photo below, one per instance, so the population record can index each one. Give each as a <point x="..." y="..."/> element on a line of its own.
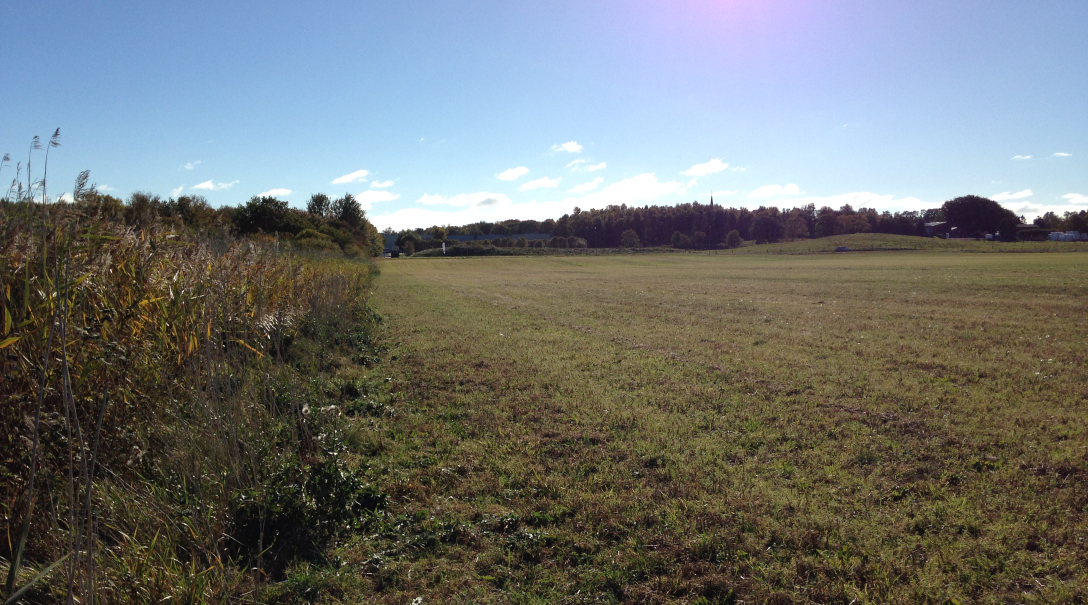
<point x="701" y="428"/>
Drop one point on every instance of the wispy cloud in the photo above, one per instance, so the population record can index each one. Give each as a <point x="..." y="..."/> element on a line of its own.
<point x="176" y="191"/>
<point x="860" y="199"/>
<point x="275" y="192"/>
<point x="468" y="200"/>
<point x="191" y="165"/>
<point x="768" y="191"/>
<point x="381" y="183"/>
<point x="569" y="147"/>
<point x="1061" y="154"/>
<point x="66" y="197"/>
<point x="596" y="167"/>
<point x="512" y="174"/>
<point x="1075" y="202"/>
<point x="350" y="177"/>
<point x="576" y="162"/>
<point x="641" y="188"/>
<point x="715" y="165"/>
<point x="1021" y="157"/>
<point x="105" y="188"/>
<point x="213" y="186"/>
<point x="587" y="187"/>
<point x="540" y="183"/>
<point x="1019" y="195"/>
<point x="472" y="207"/>
<point x="370" y="197"/>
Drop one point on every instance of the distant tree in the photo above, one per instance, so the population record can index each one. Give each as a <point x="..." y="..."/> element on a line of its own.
<point x="1048" y="221"/>
<point x="698" y="239"/>
<point x="767" y="228"/>
<point x="796" y="227"/>
<point x="828" y="224"/>
<point x="409" y="239"/>
<point x="347" y="209"/>
<point x="974" y="215"/>
<point x="438" y="234"/>
<point x="1008" y="227"/>
<point x="629" y="239"/>
<point x="522" y="243"/>
<point x="264" y="214"/>
<point x="143" y="209"/>
<point x="733" y="239"/>
<point x="1076" y="221"/>
<point x="319" y="205"/>
<point x="854" y="223"/>
<point x="677" y="239"/>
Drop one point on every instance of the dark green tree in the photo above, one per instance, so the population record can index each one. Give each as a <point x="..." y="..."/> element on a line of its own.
<point x="347" y="209"/>
<point x="319" y="205"/>
<point x="733" y="239"/>
<point x="974" y="216"/>
<point x="264" y="214"/>
<point x="767" y="228"/>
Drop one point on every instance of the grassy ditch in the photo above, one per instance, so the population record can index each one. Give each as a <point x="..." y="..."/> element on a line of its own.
<point x="883" y="427"/>
<point x="174" y="410"/>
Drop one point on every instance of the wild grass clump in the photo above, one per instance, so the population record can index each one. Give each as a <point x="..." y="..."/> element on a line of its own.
<point x="167" y="434"/>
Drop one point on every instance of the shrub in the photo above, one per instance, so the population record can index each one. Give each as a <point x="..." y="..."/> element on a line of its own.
<point x="733" y="239"/>
<point x="629" y="239"/>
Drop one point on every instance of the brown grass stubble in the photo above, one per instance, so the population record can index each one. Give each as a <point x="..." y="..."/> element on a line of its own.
<point x="865" y="427"/>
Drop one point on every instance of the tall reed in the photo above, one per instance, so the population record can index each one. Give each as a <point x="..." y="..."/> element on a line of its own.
<point x="145" y="386"/>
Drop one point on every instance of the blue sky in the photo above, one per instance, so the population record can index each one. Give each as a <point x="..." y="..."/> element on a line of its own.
<point x="487" y="110"/>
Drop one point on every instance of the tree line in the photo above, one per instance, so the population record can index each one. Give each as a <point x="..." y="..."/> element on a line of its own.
<point x="327" y="224"/>
<point x="697" y="225"/>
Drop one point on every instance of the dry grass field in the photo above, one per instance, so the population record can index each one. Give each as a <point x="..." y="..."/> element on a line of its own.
<point x="857" y="428"/>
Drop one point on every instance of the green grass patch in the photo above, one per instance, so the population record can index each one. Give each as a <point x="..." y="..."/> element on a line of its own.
<point x="884" y="427"/>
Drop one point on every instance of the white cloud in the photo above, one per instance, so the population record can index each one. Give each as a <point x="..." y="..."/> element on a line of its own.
<point x="569" y="147"/>
<point x="275" y="192"/>
<point x="368" y="198"/>
<point x="213" y="186"/>
<point x="483" y="206"/>
<point x="191" y="165"/>
<point x="596" y="167"/>
<point x="512" y="174"/>
<point x="641" y="188"/>
<point x="543" y="183"/>
<point x="351" y="177"/>
<point x="715" y="165"/>
<point x="587" y="187"/>
<point x="478" y="199"/>
<point x="724" y="193"/>
<point x="104" y="188"/>
<point x="176" y="191"/>
<point x="66" y="197"/>
<point x="576" y="162"/>
<point x="1021" y="157"/>
<point x="767" y="191"/>
<point x="1063" y="155"/>
<point x="1019" y="195"/>
<point x="1029" y="209"/>
<point x="381" y="183"/>
<point x="692" y="183"/>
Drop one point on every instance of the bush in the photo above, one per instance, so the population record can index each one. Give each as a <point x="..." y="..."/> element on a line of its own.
<point x="629" y="239"/>
<point x="733" y="239"/>
<point x="317" y="244"/>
